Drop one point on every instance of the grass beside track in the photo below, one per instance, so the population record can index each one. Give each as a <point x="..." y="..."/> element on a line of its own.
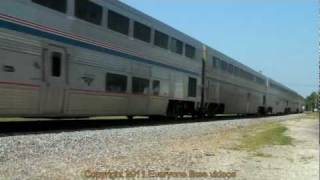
<point x="263" y="135"/>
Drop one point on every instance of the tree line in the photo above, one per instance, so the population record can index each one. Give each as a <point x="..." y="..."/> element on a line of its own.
<point x="312" y="101"/>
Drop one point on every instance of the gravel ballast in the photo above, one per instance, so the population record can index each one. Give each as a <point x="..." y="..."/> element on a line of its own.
<point x="201" y="146"/>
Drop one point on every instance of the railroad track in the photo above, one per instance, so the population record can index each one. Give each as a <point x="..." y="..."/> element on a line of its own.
<point x="64" y="125"/>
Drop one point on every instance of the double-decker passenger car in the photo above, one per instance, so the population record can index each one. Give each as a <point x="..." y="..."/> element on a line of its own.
<point x="231" y="87"/>
<point x="80" y="58"/>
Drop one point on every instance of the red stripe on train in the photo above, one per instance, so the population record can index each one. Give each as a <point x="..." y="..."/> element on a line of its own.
<point x="114" y="94"/>
<point x="73" y="36"/>
<point x="19" y="84"/>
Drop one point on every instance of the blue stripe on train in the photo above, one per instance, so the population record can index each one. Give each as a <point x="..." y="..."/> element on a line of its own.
<point x="54" y="37"/>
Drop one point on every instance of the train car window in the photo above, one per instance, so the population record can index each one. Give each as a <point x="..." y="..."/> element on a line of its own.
<point x="223" y="65"/>
<point x="218" y="63"/>
<point x="214" y="62"/>
<point x="88" y="11"/>
<point x="230" y="68"/>
<point x="60" y="5"/>
<point x="116" y="83"/>
<point x="246" y="75"/>
<point x="277" y="87"/>
<point x="176" y="46"/>
<point x="192" y="87"/>
<point x="142" y="32"/>
<point x="251" y="77"/>
<point x="140" y="86"/>
<point x="56" y="64"/>
<point x="156" y="87"/>
<point x="243" y="74"/>
<point x="190" y="51"/>
<point x="118" y="22"/>
<point x="161" y="39"/>
<point x="260" y="81"/>
<point x="271" y="85"/>
<point x="236" y="71"/>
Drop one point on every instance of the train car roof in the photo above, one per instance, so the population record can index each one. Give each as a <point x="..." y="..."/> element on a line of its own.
<point x="285" y="87"/>
<point x="161" y="26"/>
<point x="234" y="62"/>
<point x="174" y="32"/>
<point x="157" y="24"/>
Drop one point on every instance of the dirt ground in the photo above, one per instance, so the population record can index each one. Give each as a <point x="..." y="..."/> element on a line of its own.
<point x="219" y="152"/>
<point x="295" y="162"/>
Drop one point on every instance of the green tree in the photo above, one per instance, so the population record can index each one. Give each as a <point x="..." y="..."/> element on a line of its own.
<point x="311" y="101"/>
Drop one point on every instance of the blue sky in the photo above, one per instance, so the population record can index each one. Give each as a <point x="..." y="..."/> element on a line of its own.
<point x="277" y="37"/>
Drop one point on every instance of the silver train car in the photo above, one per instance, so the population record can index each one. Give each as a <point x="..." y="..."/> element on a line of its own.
<point x="231" y="87"/>
<point x="82" y="58"/>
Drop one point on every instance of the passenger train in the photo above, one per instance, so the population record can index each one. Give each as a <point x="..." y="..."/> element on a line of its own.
<point x="83" y="58"/>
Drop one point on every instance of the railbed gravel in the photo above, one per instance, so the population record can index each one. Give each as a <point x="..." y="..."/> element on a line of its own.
<point x="65" y="155"/>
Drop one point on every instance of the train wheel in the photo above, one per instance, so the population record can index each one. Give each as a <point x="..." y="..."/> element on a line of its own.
<point x="172" y="111"/>
<point x="261" y="111"/>
<point x="174" y="115"/>
<point x="212" y="110"/>
<point x="156" y="118"/>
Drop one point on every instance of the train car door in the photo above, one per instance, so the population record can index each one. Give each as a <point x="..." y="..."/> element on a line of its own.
<point x="248" y="103"/>
<point x="55" y="80"/>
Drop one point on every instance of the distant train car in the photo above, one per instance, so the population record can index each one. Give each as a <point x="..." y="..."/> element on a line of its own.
<point x="232" y="87"/>
<point x="81" y="58"/>
<point x="282" y="99"/>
